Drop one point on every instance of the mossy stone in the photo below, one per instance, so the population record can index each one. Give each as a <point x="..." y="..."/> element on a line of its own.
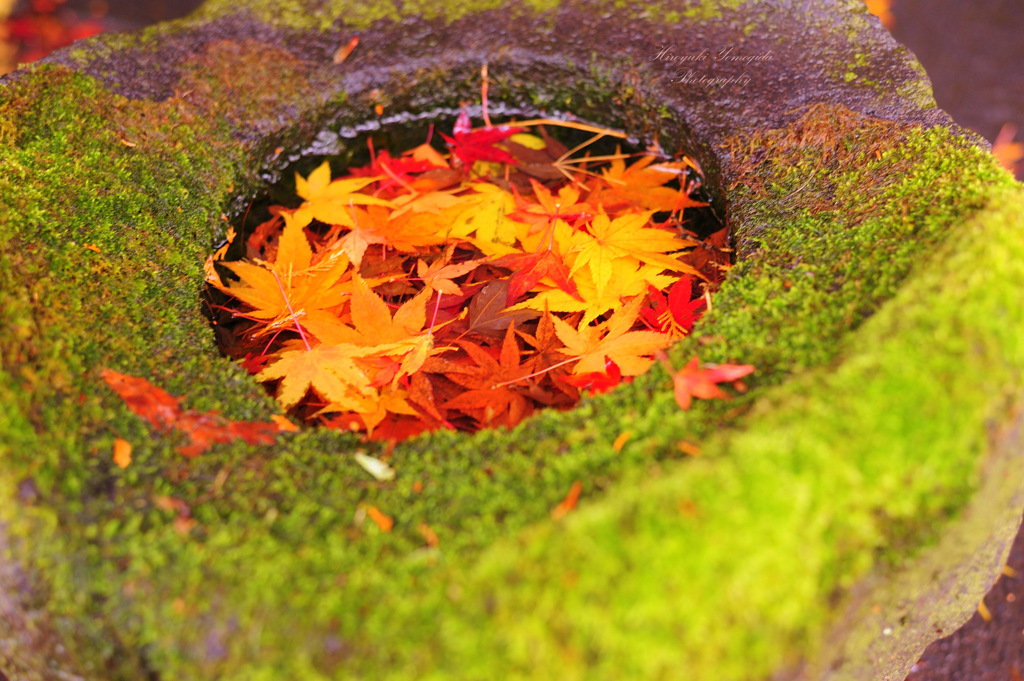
<point x="858" y="498"/>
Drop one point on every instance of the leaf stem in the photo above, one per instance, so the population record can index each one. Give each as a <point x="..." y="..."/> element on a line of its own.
<point x="537" y="373"/>
<point x="287" y="302"/>
<point x="483" y="95"/>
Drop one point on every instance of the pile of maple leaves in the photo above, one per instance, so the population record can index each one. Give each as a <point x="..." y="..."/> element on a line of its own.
<point x="465" y="290"/>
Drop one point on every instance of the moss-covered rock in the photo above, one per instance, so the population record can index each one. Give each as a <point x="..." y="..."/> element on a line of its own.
<point x="860" y="496"/>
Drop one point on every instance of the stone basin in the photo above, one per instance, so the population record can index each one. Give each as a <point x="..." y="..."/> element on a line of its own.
<point x="853" y="505"/>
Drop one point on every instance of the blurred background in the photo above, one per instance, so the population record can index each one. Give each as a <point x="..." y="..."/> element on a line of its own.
<point x="974" y="54"/>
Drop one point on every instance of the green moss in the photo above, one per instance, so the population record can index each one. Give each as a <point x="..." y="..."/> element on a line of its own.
<point x="702" y="11"/>
<point x="918" y="90"/>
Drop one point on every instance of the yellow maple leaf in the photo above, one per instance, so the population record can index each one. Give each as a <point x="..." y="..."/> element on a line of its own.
<point x="399" y="337"/>
<point x="332" y="202"/>
<point x="373" y="319"/>
<point x="613" y="340"/>
<point x="294" y="254"/>
<point x="558" y="237"/>
<point x="391" y="400"/>
<point x="483" y="214"/>
<point x="607" y="240"/>
<point x="628" y="279"/>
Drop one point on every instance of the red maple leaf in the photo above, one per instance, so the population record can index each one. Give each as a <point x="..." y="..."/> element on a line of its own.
<point x="396" y="170"/>
<point x="530" y="268"/>
<point x="597" y="382"/>
<point x="472" y="146"/>
<point x="676" y="314"/>
<point x="145" y="399"/>
<point x="693" y="382"/>
<point x="163" y="412"/>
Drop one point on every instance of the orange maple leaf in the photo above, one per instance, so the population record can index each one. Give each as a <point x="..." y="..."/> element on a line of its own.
<point x="1006" y="150"/>
<point x="566" y="206"/>
<point x="370" y="228"/>
<point x="291" y="289"/>
<point x="331" y="370"/>
<point x="642" y="185"/>
<point x="332" y="202"/>
<point x="530" y="268"/>
<point x="439" y="274"/>
<point x="377" y="334"/>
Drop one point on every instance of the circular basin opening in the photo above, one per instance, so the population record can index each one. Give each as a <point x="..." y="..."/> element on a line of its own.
<point x="463" y="275"/>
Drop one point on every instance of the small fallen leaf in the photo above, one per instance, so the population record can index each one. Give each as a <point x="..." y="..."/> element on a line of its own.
<point x="569" y="502"/>
<point x="183" y="525"/>
<point x="1006" y="150"/>
<point x="688" y="448"/>
<point x="283" y="424"/>
<point x="122" y="453"/>
<point x="166" y="503"/>
<point x="92" y="247"/>
<point x="375" y="467"/>
<point x="687" y="508"/>
<point x="983" y="610"/>
<point x="384" y="522"/>
<point x="883" y="10"/>
<point x="428" y="534"/>
<point x="621" y="440"/>
<point x="693" y="382"/>
<point x="341" y="54"/>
